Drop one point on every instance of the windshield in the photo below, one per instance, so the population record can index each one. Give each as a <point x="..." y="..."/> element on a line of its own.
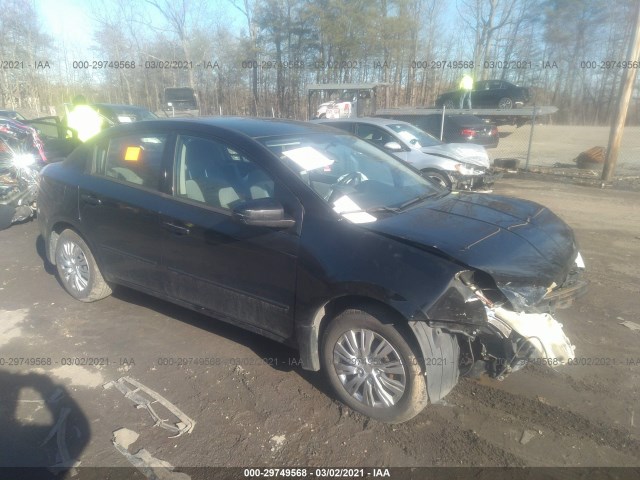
<point x="414" y="136"/>
<point x="354" y="177"/>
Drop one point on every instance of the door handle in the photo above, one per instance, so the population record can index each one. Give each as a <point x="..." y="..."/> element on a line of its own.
<point x="177" y="229"/>
<point x="90" y="199"/>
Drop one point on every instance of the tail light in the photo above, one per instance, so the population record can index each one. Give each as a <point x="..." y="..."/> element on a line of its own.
<point x="494" y="132"/>
<point x="468" y="132"/>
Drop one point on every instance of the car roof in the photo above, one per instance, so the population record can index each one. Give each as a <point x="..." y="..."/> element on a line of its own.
<point x="250" y="126"/>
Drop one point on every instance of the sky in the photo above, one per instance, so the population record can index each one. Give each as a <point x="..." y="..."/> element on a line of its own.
<point x="65" y="19"/>
<point x="72" y="22"/>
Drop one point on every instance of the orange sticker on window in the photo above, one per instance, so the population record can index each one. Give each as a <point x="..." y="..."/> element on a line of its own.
<point x="132" y="154"/>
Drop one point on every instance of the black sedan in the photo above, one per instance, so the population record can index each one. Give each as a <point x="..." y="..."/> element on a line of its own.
<point x="456" y="128"/>
<point x="320" y="240"/>
<point x="489" y="94"/>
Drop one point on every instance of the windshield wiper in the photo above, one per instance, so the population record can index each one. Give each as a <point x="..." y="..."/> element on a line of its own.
<point x="382" y="208"/>
<point x="418" y="199"/>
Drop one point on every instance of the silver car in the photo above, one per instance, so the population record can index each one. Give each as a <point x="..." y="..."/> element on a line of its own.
<point x="458" y="166"/>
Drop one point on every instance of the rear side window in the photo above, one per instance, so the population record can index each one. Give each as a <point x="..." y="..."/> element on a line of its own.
<point x="134" y="159"/>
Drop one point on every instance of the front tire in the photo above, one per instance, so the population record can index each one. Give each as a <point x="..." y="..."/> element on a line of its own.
<point x="78" y="270"/>
<point x="373" y="368"/>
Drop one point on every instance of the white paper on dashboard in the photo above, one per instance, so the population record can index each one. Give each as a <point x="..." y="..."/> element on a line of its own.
<point x="359" y="217"/>
<point x="308" y="158"/>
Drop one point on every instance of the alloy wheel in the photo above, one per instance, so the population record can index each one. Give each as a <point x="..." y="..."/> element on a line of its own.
<point x="74" y="267"/>
<point x="369" y="368"/>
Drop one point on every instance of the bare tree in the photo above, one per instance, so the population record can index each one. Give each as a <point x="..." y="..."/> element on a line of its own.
<point x="484" y="18"/>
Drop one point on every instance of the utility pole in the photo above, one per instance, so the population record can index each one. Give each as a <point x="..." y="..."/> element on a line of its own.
<point x="626" y="89"/>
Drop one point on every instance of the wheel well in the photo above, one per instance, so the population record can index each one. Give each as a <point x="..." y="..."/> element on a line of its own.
<point x="380" y="310"/>
<point x="56" y="230"/>
<point x="443" y="173"/>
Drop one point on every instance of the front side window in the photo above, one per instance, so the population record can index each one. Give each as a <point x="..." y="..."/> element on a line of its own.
<point x="134" y="159"/>
<point x="214" y="174"/>
<point x="375" y="135"/>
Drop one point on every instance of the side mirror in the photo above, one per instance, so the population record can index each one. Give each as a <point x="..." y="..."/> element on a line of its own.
<point x="262" y="212"/>
<point x="393" y="146"/>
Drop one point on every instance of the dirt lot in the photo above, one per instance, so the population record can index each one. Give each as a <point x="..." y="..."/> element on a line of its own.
<point x="268" y="412"/>
<point x="561" y="144"/>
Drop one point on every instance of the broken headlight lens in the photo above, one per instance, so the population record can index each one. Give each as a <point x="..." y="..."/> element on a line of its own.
<point x="523" y="297"/>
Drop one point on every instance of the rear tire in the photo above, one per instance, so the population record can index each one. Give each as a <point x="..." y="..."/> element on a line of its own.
<point x="505" y="103"/>
<point x="373" y="368"/>
<point x="78" y="270"/>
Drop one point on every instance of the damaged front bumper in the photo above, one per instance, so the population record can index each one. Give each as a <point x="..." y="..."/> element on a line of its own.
<point x="521" y="338"/>
<point x="497" y="339"/>
<point x="479" y="180"/>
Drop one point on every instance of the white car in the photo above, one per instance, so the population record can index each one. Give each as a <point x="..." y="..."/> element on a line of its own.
<point x="459" y="166"/>
<point x="343" y="107"/>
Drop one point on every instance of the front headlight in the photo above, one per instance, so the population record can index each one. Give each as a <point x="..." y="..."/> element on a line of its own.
<point x="522" y="297"/>
<point x="23" y="160"/>
<point x="466" y="169"/>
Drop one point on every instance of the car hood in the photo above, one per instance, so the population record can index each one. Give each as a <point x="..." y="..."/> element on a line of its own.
<point x="467" y="153"/>
<point x="519" y="243"/>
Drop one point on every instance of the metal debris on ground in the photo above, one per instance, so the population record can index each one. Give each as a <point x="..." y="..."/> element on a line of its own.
<point x="630" y="325"/>
<point x="63" y="458"/>
<point x="134" y="390"/>
<point x="150" y="466"/>
<point x="527" y="436"/>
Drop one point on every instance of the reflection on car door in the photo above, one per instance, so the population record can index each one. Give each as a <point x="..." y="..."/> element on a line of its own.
<point x="244" y="274"/>
<point x="119" y="207"/>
